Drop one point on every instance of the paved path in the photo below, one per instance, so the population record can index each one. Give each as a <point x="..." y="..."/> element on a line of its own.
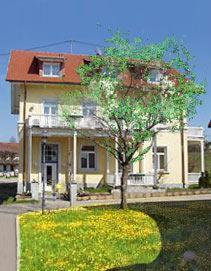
<point x="7" y="242"/>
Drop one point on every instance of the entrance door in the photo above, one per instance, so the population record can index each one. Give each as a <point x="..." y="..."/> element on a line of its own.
<point x="50" y="176"/>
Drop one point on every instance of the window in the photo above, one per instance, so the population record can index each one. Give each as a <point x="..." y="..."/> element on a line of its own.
<point x="154" y="76"/>
<point x="194" y="157"/>
<point x="88" y="157"/>
<point x="161" y="158"/>
<point x="50" y="108"/>
<point x="51" y="153"/>
<point x="89" y="109"/>
<point x="51" y="69"/>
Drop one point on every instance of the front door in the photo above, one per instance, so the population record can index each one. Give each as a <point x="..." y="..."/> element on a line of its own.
<point x="50" y="176"/>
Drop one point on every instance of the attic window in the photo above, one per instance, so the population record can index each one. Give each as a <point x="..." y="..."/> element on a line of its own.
<point x="51" y="69"/>
<point x="154" y="76"/>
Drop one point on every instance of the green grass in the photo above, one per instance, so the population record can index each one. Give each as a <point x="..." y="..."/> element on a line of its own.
<point x="105" y="238"/>
<point x="103" y="189"/>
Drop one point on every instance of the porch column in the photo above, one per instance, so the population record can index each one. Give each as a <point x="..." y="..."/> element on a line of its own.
<point x="74" y="155"/>
<point x="116" y="165"/>
<point x="155" y="160"/>
<point x="69" y="161"/>
<point x="202" y="156"/>
<point x="107" y="167"/>
<point x="29" y="155"/>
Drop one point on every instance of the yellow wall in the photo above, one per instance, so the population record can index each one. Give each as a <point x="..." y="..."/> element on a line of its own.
<point x="173" y="143"/>
<point x="37" y="93"/>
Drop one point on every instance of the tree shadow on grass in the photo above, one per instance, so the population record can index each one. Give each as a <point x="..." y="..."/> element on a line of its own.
<point x="185" y="229"/>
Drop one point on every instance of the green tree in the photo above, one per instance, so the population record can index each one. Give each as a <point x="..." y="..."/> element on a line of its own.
<point x="131" y="103"/>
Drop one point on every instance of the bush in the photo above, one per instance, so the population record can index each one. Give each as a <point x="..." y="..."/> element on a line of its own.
<point x="204" y="180"/>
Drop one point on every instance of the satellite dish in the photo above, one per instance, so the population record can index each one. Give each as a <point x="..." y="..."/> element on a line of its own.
<point x="98" y="52"/>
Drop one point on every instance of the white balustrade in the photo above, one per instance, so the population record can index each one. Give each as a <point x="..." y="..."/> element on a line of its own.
<point x="195" y="132"/>
<point x="55" y="121"/>
<point x="193" y="178"/>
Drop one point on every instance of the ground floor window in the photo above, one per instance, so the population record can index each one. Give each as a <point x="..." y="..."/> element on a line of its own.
<point x="88" y="157"/>
<point x="161" y="158"/>
<point x="194" y="157"/>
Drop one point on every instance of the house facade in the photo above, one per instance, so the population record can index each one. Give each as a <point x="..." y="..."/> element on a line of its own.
<point x="50" y="150"/>
<point x="9" y="159"/>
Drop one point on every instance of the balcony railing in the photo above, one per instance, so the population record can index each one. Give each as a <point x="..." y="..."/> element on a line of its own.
<point x="193" y="178"/>
<point x="55" y="121"/>
<point x="140" y="179"/>
<point x="195" y="132"/>
<point x="137" y="179"/>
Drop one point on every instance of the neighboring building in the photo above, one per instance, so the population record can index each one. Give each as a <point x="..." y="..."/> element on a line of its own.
<point x="9" y="159"/>
<point x="37" y="82"/>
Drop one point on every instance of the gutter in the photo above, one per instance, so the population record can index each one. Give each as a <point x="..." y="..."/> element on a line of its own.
<point x="24" y="136"/>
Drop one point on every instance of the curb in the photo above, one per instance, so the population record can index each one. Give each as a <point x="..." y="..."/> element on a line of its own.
<point x="17" y="243"/>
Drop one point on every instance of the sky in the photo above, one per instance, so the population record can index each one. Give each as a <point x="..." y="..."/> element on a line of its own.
<point x="30" y="23"/>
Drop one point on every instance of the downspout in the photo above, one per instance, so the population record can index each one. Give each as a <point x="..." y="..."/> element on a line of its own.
<point x="182" y="153"/>
<point x="24" y="136"/>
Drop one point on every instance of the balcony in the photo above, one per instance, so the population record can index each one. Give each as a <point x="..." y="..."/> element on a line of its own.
<point x="55" y="121"/>
<point x="195" y="132"/>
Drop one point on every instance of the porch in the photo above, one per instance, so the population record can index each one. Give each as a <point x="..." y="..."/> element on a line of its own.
<point x="196" y="163"/>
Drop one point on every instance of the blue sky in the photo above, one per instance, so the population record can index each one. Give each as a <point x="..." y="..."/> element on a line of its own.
<point x="29" y="23"/>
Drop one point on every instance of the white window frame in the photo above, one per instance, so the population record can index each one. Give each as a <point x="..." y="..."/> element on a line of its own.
<point x="159" y="154"/>
<point x="51" y="69"/>
<point x="91" y="108"/>
<point x="158" y="76"/>
<point x="87" y="152"/>
<point x="51" y="103"/>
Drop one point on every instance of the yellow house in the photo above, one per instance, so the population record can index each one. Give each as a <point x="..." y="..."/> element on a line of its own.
<point x="37" y="81"/>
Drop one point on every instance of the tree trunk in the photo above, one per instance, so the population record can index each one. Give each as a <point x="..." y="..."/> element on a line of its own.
<point x="124" y="178"/>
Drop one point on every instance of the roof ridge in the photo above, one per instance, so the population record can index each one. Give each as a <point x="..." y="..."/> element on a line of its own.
<point x="47" y="52"/>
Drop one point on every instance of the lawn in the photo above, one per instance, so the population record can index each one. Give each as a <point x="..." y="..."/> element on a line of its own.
<point x="151" y="236"/>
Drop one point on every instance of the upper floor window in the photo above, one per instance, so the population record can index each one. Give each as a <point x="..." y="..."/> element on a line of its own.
<point x="50" y="108"/>
<point x="154" y="76"/>
<point x="51" y="69"/>
<point x="89" y="109"/>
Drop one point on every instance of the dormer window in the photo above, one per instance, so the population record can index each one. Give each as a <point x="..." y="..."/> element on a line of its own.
<point x="154" y="76"/>
<point x="51" y="69"/>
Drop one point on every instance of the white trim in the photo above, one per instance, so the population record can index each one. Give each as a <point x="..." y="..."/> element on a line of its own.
<point x="202" y="156"/>
<point x="40" y="160"/>
<point x="49" y="100"/>
<point x="165" y="154"/>
<point x="96" y="158"/>
<point x="74" y="155"/>
<point x="51" y="70"/>
<point x="117" y="179"/>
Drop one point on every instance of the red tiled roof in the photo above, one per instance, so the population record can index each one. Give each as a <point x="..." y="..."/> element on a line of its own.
<point x="24" y="66"/>
<point x="9" y="147"/>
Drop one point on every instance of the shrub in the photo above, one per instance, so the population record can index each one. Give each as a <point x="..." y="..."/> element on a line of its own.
<point x="204" y="180"/>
